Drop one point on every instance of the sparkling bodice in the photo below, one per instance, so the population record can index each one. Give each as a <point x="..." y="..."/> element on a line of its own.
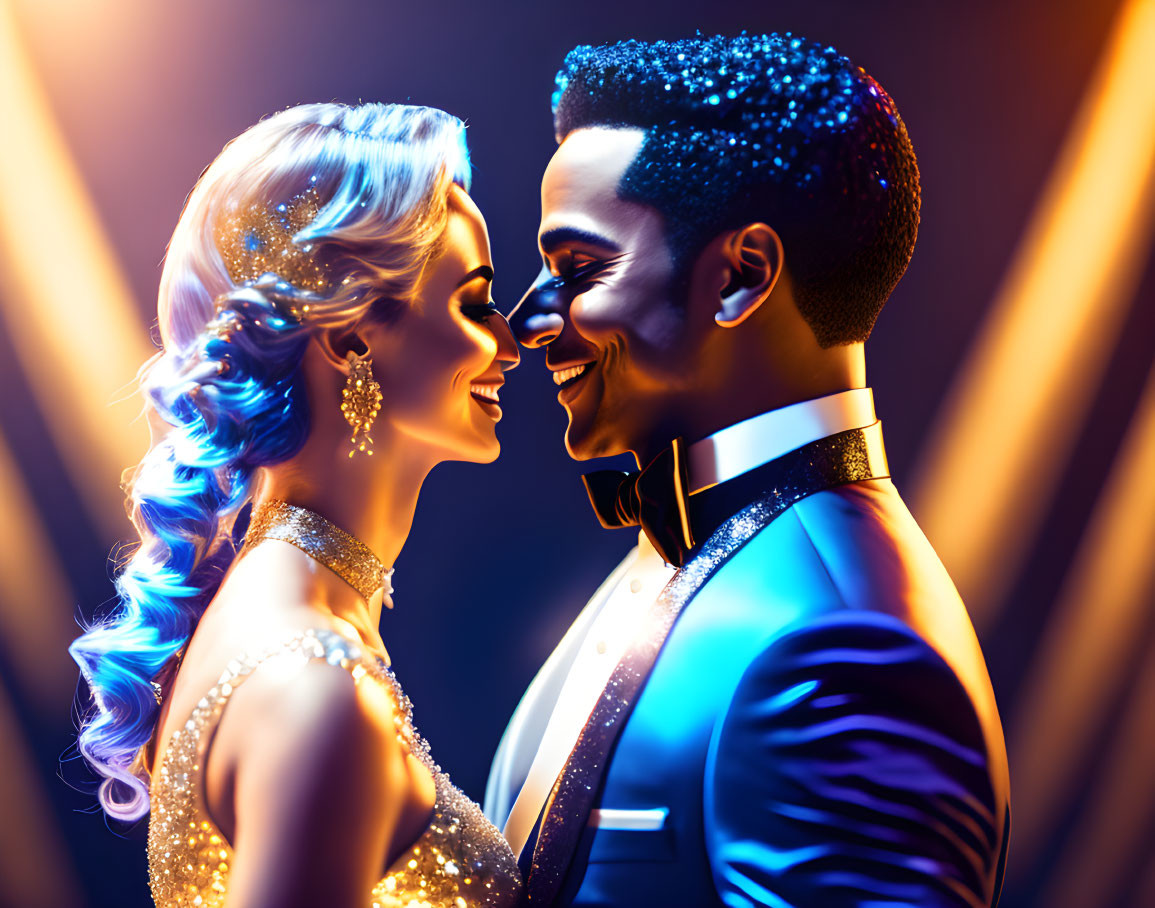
<point x="460" y="860"/>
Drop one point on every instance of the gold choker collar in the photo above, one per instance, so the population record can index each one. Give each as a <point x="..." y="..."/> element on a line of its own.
<point x="345" y="555"/>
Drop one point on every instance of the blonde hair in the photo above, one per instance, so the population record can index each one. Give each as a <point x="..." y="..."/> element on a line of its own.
<point x="228" y="379"/>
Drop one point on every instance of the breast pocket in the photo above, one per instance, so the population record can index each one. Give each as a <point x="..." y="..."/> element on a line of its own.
<point x="631" y="835"/>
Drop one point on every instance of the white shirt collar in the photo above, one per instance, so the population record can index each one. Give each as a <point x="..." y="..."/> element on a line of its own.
<point x="743" y="446"/>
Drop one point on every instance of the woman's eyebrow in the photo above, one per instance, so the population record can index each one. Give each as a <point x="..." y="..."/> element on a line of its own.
<point x="551" y="239"/>
<point x="483" y="271"/>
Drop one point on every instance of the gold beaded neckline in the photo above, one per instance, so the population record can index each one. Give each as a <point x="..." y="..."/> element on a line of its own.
<point x="345" y="555"/>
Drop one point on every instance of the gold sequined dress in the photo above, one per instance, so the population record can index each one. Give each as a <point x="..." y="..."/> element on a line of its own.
<point x="460" y="861"/>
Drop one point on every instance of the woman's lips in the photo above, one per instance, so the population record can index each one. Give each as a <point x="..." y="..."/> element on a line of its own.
<point x="486" y="397"/>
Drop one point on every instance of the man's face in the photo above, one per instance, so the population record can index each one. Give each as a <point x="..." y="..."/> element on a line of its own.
<point x="616" y="340"/>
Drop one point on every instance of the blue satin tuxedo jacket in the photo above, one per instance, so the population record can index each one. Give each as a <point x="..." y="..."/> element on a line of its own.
<point x="818" y="730"/>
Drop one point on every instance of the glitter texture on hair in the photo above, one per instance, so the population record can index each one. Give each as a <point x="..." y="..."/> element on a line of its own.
<point x="771" y="128"/>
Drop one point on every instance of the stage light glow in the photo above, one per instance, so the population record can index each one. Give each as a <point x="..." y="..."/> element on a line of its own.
<point x="67" y="306"/>
<point x="36" y="605"/>
<point x="1091" y="640"/>
<point x="1113" y="836"/>
<point x="1007" y="429"/>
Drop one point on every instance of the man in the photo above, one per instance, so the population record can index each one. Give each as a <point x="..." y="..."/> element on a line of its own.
<point x="777" y="699"/>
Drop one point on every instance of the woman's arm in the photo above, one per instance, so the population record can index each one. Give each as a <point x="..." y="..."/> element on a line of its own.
<point x="317" y="780"/>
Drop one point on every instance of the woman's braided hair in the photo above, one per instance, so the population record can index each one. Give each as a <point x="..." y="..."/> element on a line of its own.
<point x="227" y="385"/>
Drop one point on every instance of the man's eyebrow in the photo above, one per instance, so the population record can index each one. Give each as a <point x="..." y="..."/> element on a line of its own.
<point x="480" y="271"/>
<point x="558" y="236"/>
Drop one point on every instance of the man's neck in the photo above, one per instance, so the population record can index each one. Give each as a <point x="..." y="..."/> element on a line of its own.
<point x="698" y="420"/>
<point x="752" y="442"/>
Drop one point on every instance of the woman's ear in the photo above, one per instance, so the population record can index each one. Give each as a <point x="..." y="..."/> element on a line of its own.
<point x="336" y="343"/>
<point x="755" y="260"/>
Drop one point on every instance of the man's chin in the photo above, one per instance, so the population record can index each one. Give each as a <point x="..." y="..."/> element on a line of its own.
<point x="586" y="444"/>
<point x="577" y="453"/>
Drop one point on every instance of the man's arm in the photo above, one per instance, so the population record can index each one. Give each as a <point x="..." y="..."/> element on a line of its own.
<point x="850" y="770"/>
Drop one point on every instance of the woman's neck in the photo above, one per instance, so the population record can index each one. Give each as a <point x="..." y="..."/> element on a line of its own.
<point x="373" y="498"/>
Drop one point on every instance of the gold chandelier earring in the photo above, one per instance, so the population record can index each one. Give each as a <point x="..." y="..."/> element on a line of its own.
<point x="360" y="401"/>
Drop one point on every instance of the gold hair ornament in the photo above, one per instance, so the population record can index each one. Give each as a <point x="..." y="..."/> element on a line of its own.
<point x="258" y="239"/>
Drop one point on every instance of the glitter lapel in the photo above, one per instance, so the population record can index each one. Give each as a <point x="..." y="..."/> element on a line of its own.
<point x="852" y="456"/>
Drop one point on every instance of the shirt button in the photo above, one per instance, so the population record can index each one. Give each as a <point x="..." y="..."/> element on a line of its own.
<point x="635" y="585"/>
<point x="601" y="647"/>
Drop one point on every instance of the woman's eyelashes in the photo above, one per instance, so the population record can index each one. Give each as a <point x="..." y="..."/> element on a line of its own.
<point x="479" y="312"/>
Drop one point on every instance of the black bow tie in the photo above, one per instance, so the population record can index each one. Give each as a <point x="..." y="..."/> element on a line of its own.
<point x="657" y="499"/>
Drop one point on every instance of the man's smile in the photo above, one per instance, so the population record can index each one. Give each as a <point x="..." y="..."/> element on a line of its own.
<point x="567" y="376"/>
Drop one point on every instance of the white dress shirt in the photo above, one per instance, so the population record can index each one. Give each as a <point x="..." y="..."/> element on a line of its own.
<point x="554" y="710"/>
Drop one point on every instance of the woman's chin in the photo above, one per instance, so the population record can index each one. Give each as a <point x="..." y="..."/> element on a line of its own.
<point x="490" y="450"/>
<point x="485" y="445"/>
<point x="481" y="447"/>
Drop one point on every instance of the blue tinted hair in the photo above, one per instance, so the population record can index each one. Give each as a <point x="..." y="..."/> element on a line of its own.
<point x="770" y="128"/>
<point x="226" y="391"/>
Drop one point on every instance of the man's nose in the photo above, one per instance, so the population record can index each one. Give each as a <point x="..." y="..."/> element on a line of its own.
<point x="540" y="316"/>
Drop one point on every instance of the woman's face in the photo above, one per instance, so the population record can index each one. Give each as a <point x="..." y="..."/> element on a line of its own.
<point x="441" y="362"/>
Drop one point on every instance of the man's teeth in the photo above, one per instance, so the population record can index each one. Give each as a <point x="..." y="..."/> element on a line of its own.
<point x="563" y="375"/>
<point x="489" y="392"/>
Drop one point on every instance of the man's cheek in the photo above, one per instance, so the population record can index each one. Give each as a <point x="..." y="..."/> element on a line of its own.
<point x="597" y="315"/>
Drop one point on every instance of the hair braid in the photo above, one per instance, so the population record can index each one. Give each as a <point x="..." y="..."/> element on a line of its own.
<point x="229" y="383"/>
<point x="236" y="405"/>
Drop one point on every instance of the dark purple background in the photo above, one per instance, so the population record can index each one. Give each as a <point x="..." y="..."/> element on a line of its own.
<point x="502" y="557"/>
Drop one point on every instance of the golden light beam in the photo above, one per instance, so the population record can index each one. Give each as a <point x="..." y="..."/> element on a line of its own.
<point x="1010" y="422"/>
<point x="66" y="304"/>
<point x="36" y="604"/>
<point x="1114" y="834"/>
<point x="1090" y="640"/>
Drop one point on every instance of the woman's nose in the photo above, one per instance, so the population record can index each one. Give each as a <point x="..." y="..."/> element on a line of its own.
<point x="507" y="352"/>
<point x="538" y="319"/>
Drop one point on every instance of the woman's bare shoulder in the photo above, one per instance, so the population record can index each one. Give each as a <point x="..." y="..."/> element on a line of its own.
<point x="302" y="726"/>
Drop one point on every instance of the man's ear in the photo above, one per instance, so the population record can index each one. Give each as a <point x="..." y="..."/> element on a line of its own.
<point x="755" y="259"/>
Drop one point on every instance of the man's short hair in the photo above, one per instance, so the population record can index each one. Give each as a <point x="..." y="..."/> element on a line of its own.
<point x="770" y="128"/>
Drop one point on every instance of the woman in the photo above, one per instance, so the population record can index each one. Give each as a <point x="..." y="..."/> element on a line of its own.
<point x="328" y="337"/>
